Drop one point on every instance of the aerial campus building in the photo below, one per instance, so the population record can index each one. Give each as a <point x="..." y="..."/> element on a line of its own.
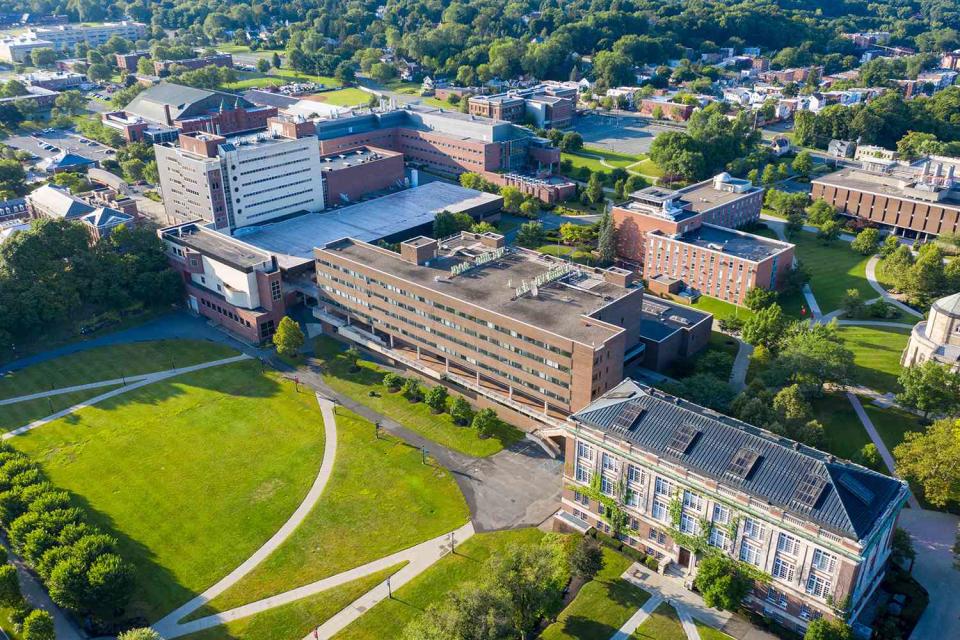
<point x="687" y="238"/>
<point x="937" y="338"/>
<point x="684" y="476"/>
<point x="918" y="201"/>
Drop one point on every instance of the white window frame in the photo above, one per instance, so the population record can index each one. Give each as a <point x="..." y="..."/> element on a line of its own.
<point x="584" y="451"/>
<point x="718" y="538"/>
<point x="753" y="529"/>
<point x="692" y="501"/>
<point x="689" y="524"/>
<point x="583" y="474"/>
<point x="721" y="514"/>
<point x="661" y="507"/>
<point x="823" y="561"/>
<point x="749" y="549"/>
<point x="662" y="487"/>
<point x="818" y="585"/>
<point x="783" y="569"/>
<point x="787" y="543"/>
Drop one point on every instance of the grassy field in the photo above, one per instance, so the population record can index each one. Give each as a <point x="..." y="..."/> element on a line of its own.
<point x="602" y="605"/>
<point x="646" y="167"/>
<point x="440" y="104"/>
<point x="191" y="474"/>
<point x="415" y="416"/>
<point x="663" y="624"/>
<point x="19" y="414"/>
<point x="379" y="500"/>
<point x="844" y="433"/>
<point x="278" y="77"/>
<point x="876" y="354"/>
<point x="298" y="618"/>
<point x="387" y="619"/>
<point x="107" y="363"/>
<point x="721" y="308"/>
<point x="344" y="97"/>
<point x="833" y="269"/>
<point x="709" y="633"/>
<point x="891" y="423"/>
<point x="590" y="157"/>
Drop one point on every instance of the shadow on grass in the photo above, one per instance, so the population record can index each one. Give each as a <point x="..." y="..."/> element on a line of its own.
<point x="583" y="628"/>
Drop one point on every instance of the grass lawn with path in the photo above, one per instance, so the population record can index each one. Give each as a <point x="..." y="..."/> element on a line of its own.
<point x="833" y="269"/>
<point x="295" y="619"/>
<point x="662" y="624"/>
<point x="19" y="414"/>
<point x="380" y="499"/>
<point x="388" y="618"/>
<point x="415" y="416"/>
<point x="891" y="422"/>
<point x="110" y="362"/>
<point x="876" y="355"/>
<point x="191" y="474"/>
<point x="602" y="605"/>
<point x="709" y="633"/>
<point x="843" y="431"/>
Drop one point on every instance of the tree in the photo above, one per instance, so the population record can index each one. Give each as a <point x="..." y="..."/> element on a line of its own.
<point x="288" y="338"/>
<point x="530" y="234"/>
<point x="352" y="356"/>
<point x="586" y="560"/>
<point x="38" y="625"/>
<point x="412" y="390"/>
<point x="263" y="65"/>
<point x="483" y="227"/>
<point x="10" y="115"/>
<point x="765" y="327"/>
<point x="928" y="387"/>
<point x="915" y="145"/>
<point x="594" y="189"/>
<point x="828" y="629"/>
<point x="769" y="176"/>
<point x="485" y="422"/>
<point x="607" y="239"/>
<point x="446" y="224"/>
<point x="721" y="583"/>
<point x="869" y="456"/>
<point x="145" y="66"/>
<point x="803" y="164"/>
<point x="573" y="234"/>
<point x="704" y="389"/>
<point x="532" y="578"/>
<point x="275" y="60"/>
<point x="133" y="169"/>
<point x="10" y="594"/>
<point x="393" y="381"/>
<point x="898" y="265"/>
<point x="792" y="405"/>
<point x="143" y="633"/>
<point x="98" y="72"/>
<point x="867" y="242"/>
<point x="852" y="303"/>
<point x="460" y="411"/>
<point x="473" y="612"/>
<point x="812" y="356"/>
<point x="926" y="277"/>
<point x="829" y="232"/>
<point x="529" y="208"/>
<point x="43" y="57"/>
<point x="110" y="581"/>
<point x="70" y="102"/>
<point x="436" y="398"/>
<point x="890" y="244"/>
<point x="571" y="142"/>
<point x="821" y="212"/>
<point x="512" y="198"/>
<point x="757" y="298"/>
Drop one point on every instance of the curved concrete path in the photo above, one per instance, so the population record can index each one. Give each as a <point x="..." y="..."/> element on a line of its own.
<point x="875" y="284"/>
<point x="148" y="379"/>
<point x="874" y="323"/>
<point x="168" y="624"/>
<point x="741" y="364"/>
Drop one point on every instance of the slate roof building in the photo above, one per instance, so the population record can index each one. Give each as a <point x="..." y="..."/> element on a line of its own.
<point x="688" y="481"/>
<point x="55" y="202"/>
<point x="102" y="220"/>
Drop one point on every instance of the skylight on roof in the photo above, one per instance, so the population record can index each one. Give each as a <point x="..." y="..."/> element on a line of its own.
<point x="682" y="439"/>
<point x="742" y="463"/>
<point x="857" y="488"/>
<point x="809" y="491"/>
<point x="627" y="416"/>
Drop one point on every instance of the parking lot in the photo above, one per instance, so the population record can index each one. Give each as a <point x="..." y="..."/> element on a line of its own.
<point x="621" y="132"/>
<point x="45" y="145"/>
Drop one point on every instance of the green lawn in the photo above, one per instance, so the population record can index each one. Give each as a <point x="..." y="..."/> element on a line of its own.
<point x="298" y="618"/>
<point x="709" y="633"/>
<point x="844" y="433"/>
<point x="663" y="624"/>
<point x="415" y="416"/>
<point x="646" y="167"/>
<point x="387" y="619"/>
<point x="13" y="416"/>
<point x="107" y="363"/>
<point x="439" y="104"/>
<point x="349" y="97"/>
<point x="833" y="269"/>
<point x="278" y="77"/>
<point x="891" y="423"/>
<point x="590" y="157"/>
<point x="721" y="308"/>
<point x="191" y="474"/>
<point x="602" y="605"/>
<point x="379" y="500"/>
<point x="876" y="354"/>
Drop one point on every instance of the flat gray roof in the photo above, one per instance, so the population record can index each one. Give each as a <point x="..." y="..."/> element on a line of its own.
<point x="859" y="180"/>
<point x="292" y="241"/>
<point x="558" y="307"/>
<point x="217" y="246"/>
<point x="736" y="243"/>
<point x="703" y="197"/>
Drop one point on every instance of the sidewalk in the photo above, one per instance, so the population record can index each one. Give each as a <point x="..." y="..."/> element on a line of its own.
<point x="637" y="619"/>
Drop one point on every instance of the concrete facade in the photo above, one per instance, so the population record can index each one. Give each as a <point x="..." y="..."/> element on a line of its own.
<point x="65" y="37"/>
<point x="938" y="337"/>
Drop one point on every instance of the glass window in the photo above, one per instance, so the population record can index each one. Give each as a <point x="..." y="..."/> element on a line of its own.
<point x="818" y="585"/>
<point x="752" y="528"/>
<point x="718" y="538"/>
<point x="750" y="553"/>
<point x="788" y="544"/>
<point x="823" y="561"/>
<point x="584" y="451"/>
<point x="782" y="569"/>
<point x="689" y="524"/>
<point x="635" y="475"/>
<point x="721" y="514"/>
<point x="660" y="511"/>
<point x="610" y="463"/>
<point x="583" y="474"/>
<point x="662" y="487"/>
<point x="692" y="500"/>
<point x="607" y="486"/>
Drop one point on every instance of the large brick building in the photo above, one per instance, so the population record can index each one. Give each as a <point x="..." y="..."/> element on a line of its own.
<point x="689" y="235"/>
<point x="536" y="335"/>
<point x="351" y="175"/>
<point x="547" y="106"/>
<point x="920" y="202"/>
<point x="452" y="143"/>
<point x="227" y="281"/>
<point x="820" y="527"/>
<point x="161" y="112"/>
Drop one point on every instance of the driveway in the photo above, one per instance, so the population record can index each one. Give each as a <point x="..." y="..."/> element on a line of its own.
<point x="934" y="534"/>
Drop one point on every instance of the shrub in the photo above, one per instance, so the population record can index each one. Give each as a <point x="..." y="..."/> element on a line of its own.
<point x="38" y="625"/>
<point x="393" y="382"/>
<point x="651" y="563"/>
<point x="412" y="390"/>
<point x="436" y="399"/>
<point x="587" y="559"/>
<point x="633" y="554"/>
<point x="460" y="411"/>
<point x="485" y="422"/>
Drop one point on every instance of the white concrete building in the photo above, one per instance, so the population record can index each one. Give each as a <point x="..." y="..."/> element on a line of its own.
<point x="65" y="37"/>
<point x="938" y="337"/>
<point x="242" y="181"/>
<point x="18" y="49"/>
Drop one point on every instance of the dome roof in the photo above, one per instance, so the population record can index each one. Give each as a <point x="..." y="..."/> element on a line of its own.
<point x="948" y="305"/>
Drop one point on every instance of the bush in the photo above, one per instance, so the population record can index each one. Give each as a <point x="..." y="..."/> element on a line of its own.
<point x="634" y="554"/>
<point x="38" y="625"/>
<point x="608" y="541"/>
<point x="412" y="390"/>
<point x="460" y="411"/>
<point x="393" y="382"/>
<point x="652" y="563"/>
<point x="485" y="422"/>
<point x="436" y="399"/>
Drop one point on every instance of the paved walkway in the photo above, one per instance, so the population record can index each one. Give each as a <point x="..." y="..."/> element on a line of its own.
<point x="38" y="598"/>
<point x="169" y="622"/>
<point x="671" y="589"/>
<point x="738" y="374"/>
<point x="815" y="314"/>
<point x="875" y="284"/>
<point x="77" y="387"/>
<point x="687" y="621"/>
<point x="417" y="559"/>
<point x="874" y="323"/>
<point x="877" y="440"/>
<point x="148" y="379"/>
<point x="637" y="619"/>
<point x="933" y="535"/>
